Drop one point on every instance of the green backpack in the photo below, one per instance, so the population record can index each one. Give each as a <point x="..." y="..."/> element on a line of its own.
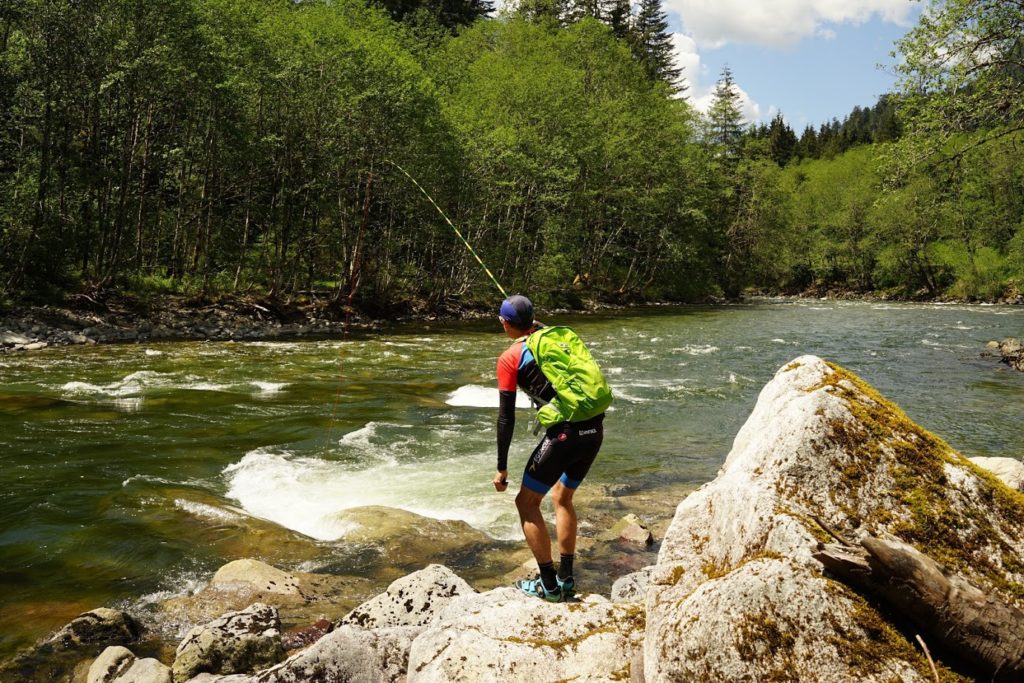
<point x="581" y="391"/>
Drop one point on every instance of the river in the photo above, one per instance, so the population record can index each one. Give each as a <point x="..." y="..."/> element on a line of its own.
<point x="121" y="464"/>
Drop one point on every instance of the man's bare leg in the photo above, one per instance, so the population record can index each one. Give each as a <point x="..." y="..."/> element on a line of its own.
<point x="534" y="528"/>
<point x="565" y="518"/>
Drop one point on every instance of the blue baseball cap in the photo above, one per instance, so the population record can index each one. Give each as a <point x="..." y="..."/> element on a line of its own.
<point x="517" y="311"/>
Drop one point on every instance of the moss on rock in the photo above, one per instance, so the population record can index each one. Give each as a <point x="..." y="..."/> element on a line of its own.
<point x="953" y="524"/>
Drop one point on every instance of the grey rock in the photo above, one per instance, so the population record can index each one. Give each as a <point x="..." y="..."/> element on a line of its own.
<point x="350" y="653"/>
<point x="504" y="635"/>
<point x="412" y="600"/>
<point x="1009" y="470"/>
<point x="238" y="642"/>
<point x="255" y="576"/>
<point x="118" y="665"/>
<point x="35" y="346"/>
<point x="14" y="339"/>
<point x="64" y="656"/>
<point x="630" y="528"/>
<point x="101" y="626"/>
<point x="1012" y="352"/>
<point x="632" y="587"/>
<point x="1011" y="346"/>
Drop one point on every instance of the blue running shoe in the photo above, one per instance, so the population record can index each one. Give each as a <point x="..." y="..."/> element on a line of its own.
<point x="535" y="588"/>
<point x="567" y="587"/>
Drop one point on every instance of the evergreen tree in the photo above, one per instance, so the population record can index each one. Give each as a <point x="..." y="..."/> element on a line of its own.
<point x="829" y="142"/>
<point x="887" y="126"/>
<point x="781" y="140"/>
<point x="618" y="16"/>
<point x="575" y="10"/>
<point x="651" y="43"/>
<point x="808" y="147"/>
<point x="725" y="118"/>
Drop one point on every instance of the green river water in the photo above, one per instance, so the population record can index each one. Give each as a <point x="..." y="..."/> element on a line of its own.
<point x="124" y="467"/>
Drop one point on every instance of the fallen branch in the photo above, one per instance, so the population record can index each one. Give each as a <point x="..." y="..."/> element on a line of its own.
<point x="931" y="662"/>
<point x="969" y="623"/>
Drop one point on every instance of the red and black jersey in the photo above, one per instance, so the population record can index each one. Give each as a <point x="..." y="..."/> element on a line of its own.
<point x="517" y="368"/>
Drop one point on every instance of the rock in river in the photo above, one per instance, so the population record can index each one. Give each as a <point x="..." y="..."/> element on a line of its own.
<point x="736" y="593"/>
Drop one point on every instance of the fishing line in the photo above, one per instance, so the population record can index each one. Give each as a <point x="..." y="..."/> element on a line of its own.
<point x="355" y="273"/>
<point x="448" y="220"/>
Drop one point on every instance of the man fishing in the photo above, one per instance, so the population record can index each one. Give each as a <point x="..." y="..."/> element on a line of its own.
<point x="541" y="359"/>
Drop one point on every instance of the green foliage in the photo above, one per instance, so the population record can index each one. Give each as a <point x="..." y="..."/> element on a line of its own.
<point x="980" y="274"/>
<point x="205" y="145"/>
<point x="579" y="158"/>
<point x="963" y="70"/>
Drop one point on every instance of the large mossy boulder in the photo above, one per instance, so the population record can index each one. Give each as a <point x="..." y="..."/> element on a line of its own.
<point x="736" y="593"/>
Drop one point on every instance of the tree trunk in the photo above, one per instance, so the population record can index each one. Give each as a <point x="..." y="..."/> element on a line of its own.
<point x="969" y="623"/>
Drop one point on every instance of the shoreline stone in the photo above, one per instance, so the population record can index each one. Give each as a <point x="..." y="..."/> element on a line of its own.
<point x="60" y="656"/>
<point x="412" y="600"/>
<point x="237" y="642"/>
<point x="504" y="635"/>
<point x="1008" y="470"/>
<point x="230" y="318"/>
<point x="118" y="664"/>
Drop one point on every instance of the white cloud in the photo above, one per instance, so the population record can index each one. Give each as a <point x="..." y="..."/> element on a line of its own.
<point x="688" y="59"/>
<point x="712" y="24"/>
<point x="778" y="23"/>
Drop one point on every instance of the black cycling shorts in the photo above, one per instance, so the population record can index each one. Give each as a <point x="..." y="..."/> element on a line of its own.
<point x="564" y="454"/>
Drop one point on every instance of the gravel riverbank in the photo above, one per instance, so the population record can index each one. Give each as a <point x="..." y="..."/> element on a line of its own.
<point x="170" y="319"/>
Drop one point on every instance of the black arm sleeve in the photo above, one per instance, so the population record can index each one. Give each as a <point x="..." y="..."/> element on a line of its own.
<point x="506" y="425"/>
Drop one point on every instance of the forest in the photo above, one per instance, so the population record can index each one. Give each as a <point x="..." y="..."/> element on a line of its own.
<point x="231" y="147"/>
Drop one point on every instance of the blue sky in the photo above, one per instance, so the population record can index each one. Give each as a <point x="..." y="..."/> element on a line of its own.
<point x="811" y="59"/>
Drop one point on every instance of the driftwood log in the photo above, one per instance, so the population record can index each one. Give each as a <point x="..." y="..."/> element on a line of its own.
<point x="963" y="619"/>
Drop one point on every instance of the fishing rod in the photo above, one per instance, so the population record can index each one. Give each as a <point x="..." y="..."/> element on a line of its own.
<point x="448" y="220"/>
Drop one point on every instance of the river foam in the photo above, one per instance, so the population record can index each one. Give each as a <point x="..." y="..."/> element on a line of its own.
<point x="306" y="493"/>
<point x="476" y="396"/>
<point x="140" y="382"/>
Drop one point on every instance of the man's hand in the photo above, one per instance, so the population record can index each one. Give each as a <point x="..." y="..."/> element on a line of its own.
<point x="501" y="480"/>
